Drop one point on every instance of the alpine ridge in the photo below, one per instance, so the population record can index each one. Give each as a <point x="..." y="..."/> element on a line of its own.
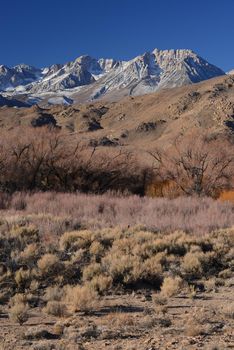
<point x="87" y="78"/>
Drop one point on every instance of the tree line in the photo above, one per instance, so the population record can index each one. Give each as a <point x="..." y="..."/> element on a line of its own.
<point x="45" y="159"/>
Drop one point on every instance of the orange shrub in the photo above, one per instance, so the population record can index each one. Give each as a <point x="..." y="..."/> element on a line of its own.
<point x="165" y="188"/>
<point x="227" y="196"/>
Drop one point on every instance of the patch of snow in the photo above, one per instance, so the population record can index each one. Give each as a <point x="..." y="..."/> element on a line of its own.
<point x="63" y="100"/>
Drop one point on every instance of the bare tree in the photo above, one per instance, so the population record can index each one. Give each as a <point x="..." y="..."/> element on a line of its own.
<point x="51" y="159"/>
<point x="197" y="165"/>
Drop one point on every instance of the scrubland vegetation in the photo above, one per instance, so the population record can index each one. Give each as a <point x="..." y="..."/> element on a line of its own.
<point x="110" y="268"/>
<point x="84" y="269"/>
<point x="53" y="212"/>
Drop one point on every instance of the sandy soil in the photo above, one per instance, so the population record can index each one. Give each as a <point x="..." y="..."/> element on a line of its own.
<point x="132" y="321"/>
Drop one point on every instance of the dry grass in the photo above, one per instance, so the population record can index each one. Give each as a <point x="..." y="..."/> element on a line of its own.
<point x="43" y="212"/>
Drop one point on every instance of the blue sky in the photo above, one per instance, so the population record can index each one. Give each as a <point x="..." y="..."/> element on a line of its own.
<point x="44" y="32"/>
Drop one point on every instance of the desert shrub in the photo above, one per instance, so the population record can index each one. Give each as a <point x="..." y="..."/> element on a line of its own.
<point x="129" y="269"/>
<point x="210" y="284"/>
<point x="81" y="298"/>
<point x="29" y="254"/>
<point x="25" y="234"/>
<point x="101" y="283"/>
<point x="171" y="286"/>
<point x="192" y="264"/>
<point x="53" y="293"/>
<point x="123" y="245"/>
<point x="211" y="262"/>
<point x="18" y="298"/>
<point x="78" y="256"/>
<point x="19" y="313"/>
<point x="120" y="267"/>
<point x="56" y="308"/>
<point x="119" y="320"/>
<point x="229" y="257"/>
<point x="49" y="264"/>
<point x="34" y="286"/>
<point x="219" y="282"/>
<point x="23" y="278"/>
<point x="71" y="273"/>
<point x="197" y="322"/>
<point x="106" y="259"/>
<point x="197" y="263"/>
<point x="92" y="270"/>
<point x="194" y="329"/>
<point x="159" y="299"/>
<point x="227" y="273"/>
<point x="96" y="250"/>
<point x="149" y="271"/>
<point x="75" y="240"/>
<point x="49" y="159"/>
<point x="59" y="328"/>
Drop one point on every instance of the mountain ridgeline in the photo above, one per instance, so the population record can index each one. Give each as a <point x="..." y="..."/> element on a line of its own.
<point x="88" y="79"/>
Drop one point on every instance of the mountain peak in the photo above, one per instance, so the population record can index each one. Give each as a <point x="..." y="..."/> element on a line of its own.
<point x="94" y="78"/>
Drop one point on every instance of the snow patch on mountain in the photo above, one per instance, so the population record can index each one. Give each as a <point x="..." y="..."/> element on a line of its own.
<point x="95" y="78"/>
<point x="60" y="100"/>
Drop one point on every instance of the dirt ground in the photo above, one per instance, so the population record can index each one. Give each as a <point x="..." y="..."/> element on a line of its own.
<point x="202" y="320"/>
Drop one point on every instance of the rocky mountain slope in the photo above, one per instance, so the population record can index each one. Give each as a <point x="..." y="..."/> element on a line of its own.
<point x="141" y="122"/>
<point x="11" y="102"/>
<point x="88" y="79"/>
<point x="18" y="76"/>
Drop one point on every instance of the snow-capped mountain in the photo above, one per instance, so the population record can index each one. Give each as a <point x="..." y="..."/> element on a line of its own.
<point x="11" y="78"/>
<point x="156" y="70"/>
<point x="88" y="78"/>
<point x="85" y="70"/>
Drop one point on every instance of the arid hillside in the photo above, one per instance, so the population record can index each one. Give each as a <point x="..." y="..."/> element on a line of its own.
<point x="139" y="122"/>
